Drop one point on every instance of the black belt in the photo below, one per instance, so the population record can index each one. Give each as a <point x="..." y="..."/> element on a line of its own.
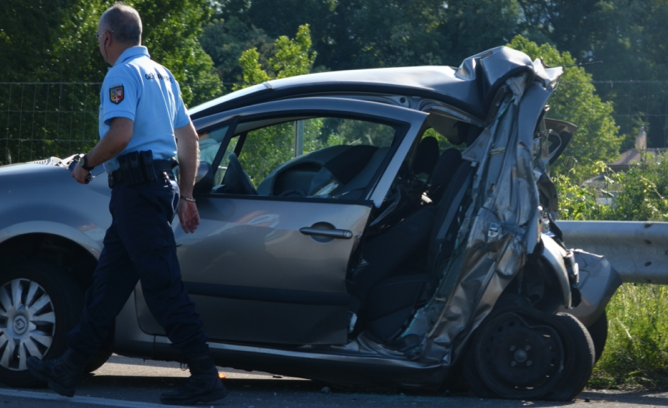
<point x="161" y="166"/>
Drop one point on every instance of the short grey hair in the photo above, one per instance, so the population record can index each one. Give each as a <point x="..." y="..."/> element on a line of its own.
<point x="123" y="22"/>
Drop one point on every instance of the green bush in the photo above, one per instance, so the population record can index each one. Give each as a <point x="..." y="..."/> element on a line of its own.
<point x="636" y="355"/>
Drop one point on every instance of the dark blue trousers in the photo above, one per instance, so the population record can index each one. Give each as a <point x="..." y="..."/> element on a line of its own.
<point x="140" y="246"/>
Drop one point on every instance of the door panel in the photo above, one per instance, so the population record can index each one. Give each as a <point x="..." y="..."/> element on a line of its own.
<point x="255" y="277"/>
<point x="258" y="267"/>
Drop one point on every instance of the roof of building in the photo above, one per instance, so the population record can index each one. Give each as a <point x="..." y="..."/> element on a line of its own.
<point x="634" y="155"/>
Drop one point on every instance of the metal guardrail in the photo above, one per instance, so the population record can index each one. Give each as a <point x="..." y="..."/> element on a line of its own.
<point x="637" y="250"/>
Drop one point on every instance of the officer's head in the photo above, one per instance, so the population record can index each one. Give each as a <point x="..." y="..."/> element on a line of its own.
<point x="122" y="23"/>
<point x="119" y="29"/>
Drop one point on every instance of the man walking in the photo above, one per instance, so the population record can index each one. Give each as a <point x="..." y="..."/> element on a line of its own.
<point x="143" y="124"/>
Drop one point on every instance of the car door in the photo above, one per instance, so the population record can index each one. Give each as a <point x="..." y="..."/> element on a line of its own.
<point x="271" y="267"/>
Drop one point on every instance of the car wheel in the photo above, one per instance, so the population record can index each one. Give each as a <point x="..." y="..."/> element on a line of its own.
<point x="599" y="334"/>
<point x="38" y="306"/>
<point x="579" y="360"/>
<point x="515" y="355"/>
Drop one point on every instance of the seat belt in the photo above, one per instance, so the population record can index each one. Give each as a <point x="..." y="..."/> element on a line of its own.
<point x="450" y="215"/>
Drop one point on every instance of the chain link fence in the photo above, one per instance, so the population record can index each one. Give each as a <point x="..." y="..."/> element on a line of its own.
<point x="40" y="120"/>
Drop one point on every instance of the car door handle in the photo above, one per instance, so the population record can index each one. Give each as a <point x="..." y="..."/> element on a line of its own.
<point x="330" y="233"/>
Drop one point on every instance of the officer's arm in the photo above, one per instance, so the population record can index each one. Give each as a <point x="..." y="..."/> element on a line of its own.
<point x="110" y="146"/>
<point x="188" y="156"/>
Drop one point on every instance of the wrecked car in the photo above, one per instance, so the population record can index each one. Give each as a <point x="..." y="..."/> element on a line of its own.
<point x="392" y="226"/>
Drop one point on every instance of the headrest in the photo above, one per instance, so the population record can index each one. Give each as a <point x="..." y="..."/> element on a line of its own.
<point x="426" y="156"/>
<point x="445" y="167"/>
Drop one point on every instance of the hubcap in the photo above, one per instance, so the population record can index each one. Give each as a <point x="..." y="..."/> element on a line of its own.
<point x="20" y="324"/>
<point x="27" y="323"/>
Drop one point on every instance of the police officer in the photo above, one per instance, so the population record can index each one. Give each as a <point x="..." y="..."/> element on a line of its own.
<point x="142" y="122"/>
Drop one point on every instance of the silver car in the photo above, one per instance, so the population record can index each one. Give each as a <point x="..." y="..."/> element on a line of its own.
<point x="392" y="226"/>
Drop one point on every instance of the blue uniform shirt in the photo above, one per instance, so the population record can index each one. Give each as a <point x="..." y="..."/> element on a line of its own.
<point x="145" y="92"/>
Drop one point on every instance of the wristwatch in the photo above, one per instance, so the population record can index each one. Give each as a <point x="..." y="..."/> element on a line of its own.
<point x="83" y="162"/>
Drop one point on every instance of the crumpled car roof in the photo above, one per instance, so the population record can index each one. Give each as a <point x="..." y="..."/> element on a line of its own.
<point x="470" y="87"/>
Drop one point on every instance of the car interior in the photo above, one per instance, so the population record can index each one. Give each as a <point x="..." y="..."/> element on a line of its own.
<point x="393" y="271"/>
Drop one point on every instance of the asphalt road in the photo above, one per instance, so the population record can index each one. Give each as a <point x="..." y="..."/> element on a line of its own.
<point x="133" y="383"/>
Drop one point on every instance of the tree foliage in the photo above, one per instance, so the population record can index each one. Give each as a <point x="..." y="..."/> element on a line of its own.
<point x="351" y="34"/>
<point x="614" y="40"/>
<point x="575" y="101"/>
<point x="291" y="57"/>
<point x="60" y="37"/>
<point x="618" y="40"/>
<point x="44" y="42"/>
<point x="269" y="147"/>
<point x="226" y="41"/>
<point x="640" y="194"/>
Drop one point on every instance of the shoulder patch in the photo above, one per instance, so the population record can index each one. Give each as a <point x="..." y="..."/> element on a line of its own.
<point x="116" y="94"/>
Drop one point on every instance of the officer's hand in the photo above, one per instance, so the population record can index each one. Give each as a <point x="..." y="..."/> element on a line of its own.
<point x="80" y="175"/>
<point x="189" y="216"/>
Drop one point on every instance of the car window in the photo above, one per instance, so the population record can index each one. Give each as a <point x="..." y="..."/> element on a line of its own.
<point x="315" y="156"/>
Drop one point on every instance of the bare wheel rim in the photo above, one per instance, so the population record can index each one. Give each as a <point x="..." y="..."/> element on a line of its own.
<point x="518" y="358"/>
<point x="27" y="323"/>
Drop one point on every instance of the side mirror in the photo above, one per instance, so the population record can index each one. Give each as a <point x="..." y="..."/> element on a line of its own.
<point x="561" y="133"/>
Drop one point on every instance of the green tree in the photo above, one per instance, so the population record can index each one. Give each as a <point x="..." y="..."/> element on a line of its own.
<point x="29" y="25"/>
<point x="639" y="194"/>
<point x="61" y="38"/>
<point x="226" y="40"/>
<point x="472" y="26"/>
<point x="268" y="147"/>
<point x="618" y="40"/>
<point x="292" y="57"/>
<point x="351" y="34"/>
<point x="575" y="100"/>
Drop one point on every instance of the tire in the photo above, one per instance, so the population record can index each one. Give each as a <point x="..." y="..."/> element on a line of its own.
<point x="580" y="357"/>
<point x="599" y="334"/>
<point x="516" y="353"/>
<point x="39" y="304"/>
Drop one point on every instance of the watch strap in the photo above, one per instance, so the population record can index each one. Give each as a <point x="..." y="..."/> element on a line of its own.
<point x="84" y="163"/>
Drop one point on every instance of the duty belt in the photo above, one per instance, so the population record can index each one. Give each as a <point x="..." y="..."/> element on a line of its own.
<point x="161" y="166"/>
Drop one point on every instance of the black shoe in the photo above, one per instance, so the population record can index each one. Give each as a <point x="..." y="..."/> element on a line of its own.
<point x="204" y="385"/>
<point x="62" y="374"/>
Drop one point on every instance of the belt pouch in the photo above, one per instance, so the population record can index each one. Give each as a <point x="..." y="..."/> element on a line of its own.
<point x="124" y="167"/>
<point x="136" y="168"/>
<point x="146" y="159"/>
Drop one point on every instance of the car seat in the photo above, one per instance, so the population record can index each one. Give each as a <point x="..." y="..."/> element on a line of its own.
<point x="388" y="295"/>
<point x="426" y="157"/>
<point x="444" y="170"/>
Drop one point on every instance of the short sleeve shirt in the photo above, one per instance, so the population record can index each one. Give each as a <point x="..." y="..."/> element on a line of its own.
<point x="145" y="92"/>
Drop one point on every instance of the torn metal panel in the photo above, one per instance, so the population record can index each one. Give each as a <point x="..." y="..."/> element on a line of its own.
<point x="598" y="282"/>
<point x="500" y="228"/>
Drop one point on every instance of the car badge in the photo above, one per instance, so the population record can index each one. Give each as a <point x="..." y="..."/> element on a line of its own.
<point x="116" y="94"/>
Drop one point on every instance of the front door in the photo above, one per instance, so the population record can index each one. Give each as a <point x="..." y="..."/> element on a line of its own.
<point x="269" y="265"/>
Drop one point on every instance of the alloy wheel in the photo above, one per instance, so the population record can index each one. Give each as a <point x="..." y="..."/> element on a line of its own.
<point x="27" y="323"/>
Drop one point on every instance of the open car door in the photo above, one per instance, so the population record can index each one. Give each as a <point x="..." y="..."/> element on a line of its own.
<point x="295" y="184"/>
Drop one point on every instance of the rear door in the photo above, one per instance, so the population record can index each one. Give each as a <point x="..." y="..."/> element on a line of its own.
<point x="271" y="267"/>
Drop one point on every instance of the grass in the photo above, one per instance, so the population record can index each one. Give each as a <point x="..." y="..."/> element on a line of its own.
<point x="636" y="354"/>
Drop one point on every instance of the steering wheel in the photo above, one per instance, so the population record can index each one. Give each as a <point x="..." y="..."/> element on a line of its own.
<point x="237" y="179"/>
